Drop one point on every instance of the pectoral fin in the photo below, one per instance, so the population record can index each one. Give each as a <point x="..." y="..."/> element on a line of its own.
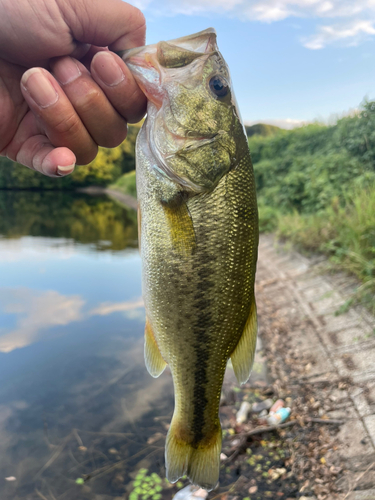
<point x="155" y="363"/>
<point x="181" y="228"/>
<point x="243" y="355"/>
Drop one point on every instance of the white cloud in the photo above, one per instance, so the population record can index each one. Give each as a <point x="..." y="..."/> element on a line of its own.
<point x="36" y="312"/>
<point x="353" y="33"/>
<point x="361" y="13"/>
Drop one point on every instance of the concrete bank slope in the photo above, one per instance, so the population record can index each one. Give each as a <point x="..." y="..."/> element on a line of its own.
<point x="339" y="349"/>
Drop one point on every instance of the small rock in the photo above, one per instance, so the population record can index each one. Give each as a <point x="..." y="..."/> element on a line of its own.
<point x="253" y="489"/>
<point x="276" y="473"/>
<point x="223" y="456"/>
<point x="243" y="412"/>
<point x="262" y="405"/>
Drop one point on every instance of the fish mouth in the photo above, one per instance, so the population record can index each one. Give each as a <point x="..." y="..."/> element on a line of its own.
<point x="203" y="42"/>
<point x="149" y="64"/>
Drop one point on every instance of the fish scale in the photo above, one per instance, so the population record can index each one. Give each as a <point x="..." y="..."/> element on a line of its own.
<point x="199" y="238"/>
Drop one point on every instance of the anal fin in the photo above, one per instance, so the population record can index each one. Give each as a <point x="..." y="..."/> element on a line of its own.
<point x="243" y="355"/>
<point x="155" y="363"/>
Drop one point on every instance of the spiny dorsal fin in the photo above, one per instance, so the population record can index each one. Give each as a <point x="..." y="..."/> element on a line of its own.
<point x="155" y="363"/>
<point x="243" y="355"/>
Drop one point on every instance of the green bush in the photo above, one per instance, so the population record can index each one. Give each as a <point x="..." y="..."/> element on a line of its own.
<point x="268" y="218"/>
<point x="316" y="186"/>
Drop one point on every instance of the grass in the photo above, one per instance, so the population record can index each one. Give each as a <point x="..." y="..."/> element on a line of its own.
<point x="345" y="233"/>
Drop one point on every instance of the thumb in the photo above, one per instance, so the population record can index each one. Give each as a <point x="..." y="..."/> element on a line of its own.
<point x="112" y="23"/>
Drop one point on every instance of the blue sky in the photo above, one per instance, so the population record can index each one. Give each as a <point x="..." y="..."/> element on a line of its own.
<point x="290" y="60"/>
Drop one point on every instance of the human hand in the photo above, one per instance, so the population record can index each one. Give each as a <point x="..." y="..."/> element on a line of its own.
<point x="77" y="94"/>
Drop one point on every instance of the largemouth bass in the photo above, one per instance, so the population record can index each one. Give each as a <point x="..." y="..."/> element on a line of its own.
<point x="198" y="237"/>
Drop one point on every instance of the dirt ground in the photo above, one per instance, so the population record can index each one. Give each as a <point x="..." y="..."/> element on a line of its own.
<point x="322" y="357"/>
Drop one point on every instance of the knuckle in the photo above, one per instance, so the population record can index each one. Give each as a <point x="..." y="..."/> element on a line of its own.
<point x="67" y="125"/>
<point x="91" y="99"/>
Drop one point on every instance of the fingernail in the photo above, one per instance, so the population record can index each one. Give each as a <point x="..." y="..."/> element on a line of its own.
<point x="68" y="169"/>
<point x="107" y="69"/>
<point x="39" y="87"/>
<point x="66" y="70"/>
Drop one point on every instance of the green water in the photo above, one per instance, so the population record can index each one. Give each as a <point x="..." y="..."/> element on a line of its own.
<point x="76" y="401"/>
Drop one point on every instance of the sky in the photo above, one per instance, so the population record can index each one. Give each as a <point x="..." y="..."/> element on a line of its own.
<point x="291" y="61"/>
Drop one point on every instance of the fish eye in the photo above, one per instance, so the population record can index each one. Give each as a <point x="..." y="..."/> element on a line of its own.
<point x="219" y="86"/>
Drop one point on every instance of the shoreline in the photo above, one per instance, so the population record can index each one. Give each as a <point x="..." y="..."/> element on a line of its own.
<point x="126" y="199"/>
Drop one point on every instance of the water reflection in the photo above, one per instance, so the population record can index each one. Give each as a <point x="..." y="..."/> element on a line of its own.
<point x="84" y="219"/>
<point x="75" y="398"/>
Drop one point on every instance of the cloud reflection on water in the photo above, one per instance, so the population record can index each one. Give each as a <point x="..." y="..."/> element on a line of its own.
<point x="36" y="249"/>
<point x="37" y="311"/>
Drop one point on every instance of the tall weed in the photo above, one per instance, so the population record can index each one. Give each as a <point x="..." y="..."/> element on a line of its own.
<point x="345" y="233"/>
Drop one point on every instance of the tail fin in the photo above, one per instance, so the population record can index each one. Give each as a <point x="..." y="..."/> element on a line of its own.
<point x="200" y="463"/>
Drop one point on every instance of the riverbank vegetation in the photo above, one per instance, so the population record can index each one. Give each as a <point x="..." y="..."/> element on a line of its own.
<point x="108" y="166"/>
<point x="316" y="188"/>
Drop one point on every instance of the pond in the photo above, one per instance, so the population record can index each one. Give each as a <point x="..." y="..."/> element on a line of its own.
<point x="79" y="414"/>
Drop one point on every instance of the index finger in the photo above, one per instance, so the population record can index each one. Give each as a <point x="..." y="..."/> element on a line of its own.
<point x="112" y="23"/>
